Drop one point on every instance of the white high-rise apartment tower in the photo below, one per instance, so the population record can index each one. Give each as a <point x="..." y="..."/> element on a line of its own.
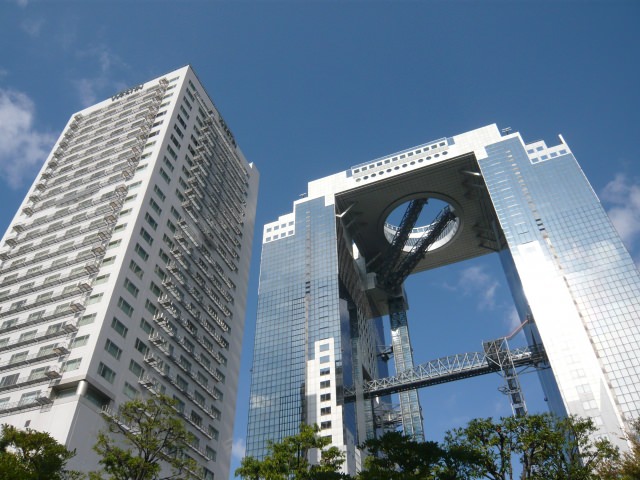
<point x="124" y="272"/>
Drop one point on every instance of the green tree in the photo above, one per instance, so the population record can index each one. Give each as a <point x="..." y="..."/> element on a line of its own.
<point x="289" y="459"/>
<point x="489" y="444"/>
<point x="150" y="433"/>
<point x="32" y="455"/>
<point x="547" y="448"/>
<point x="395" y="456"/>
<point x="629" y="467"/>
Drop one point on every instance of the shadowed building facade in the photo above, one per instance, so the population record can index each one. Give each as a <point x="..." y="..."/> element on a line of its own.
<point x="333" y="268"/>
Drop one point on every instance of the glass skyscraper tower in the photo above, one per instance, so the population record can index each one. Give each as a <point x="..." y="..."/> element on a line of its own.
<point x="334" y="267"/>
<point x="124" y="272"/>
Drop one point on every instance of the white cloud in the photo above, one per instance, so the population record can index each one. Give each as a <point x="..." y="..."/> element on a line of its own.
<point x="94" y="88"/>
<point x="239" y="448"/>
<point x="22" y="148"/>
<point x="476" y="281"/>
<point x="623" y="195"/>
<point x="32" y="27"/>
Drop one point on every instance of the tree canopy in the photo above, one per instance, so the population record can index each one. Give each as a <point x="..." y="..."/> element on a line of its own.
<point x="545" y="446"/>
<point x="533" y="447"/>
<point x="288" y="460"/>
<point x="150" y="434"/>
<point x="32" y="455"/>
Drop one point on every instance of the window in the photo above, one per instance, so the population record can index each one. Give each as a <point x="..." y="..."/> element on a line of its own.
<point x="141" y="251"/>
<point x="146" y="236"/>
<point x="146" y="327"/>
<point x="325" y="371"/>
<point x="164" y="256"/>
<point x="151" y="221"/>
<point x="141" y="346"/>
<point x="52" y="329"/>
<point x="71" y="365"/>
<point x="164" y="175"/>
<point x="87" y="319"/>
<point x="325" y="411"/>
<point x="28" y="398"/>
<point x="325" y="384"/>
<point x="129" y="391"/>
<point x="125" y="307"/>
<point x="18" y="357"/>
<point x="113" y="349"/>
<point x="175" y="213"/>
<point x="114" y="244"/>
<point x="324" y="347"/>
<point x="151" y="308"/>
<point x="131" y="288"/>
<point x="135" y="268"/>
<point x="325" y="397"/>
<point x="186" y="364"/>
<point x="160" y="195"/>
<point x="210" y="453"/>
<point x="171" y="151"/>
<point x="119" y="327"/>
<point x="79" y="341"/>
<point x="325" y="359"/>
<point x="135" y="368"/>
<point x="27" y="336"/>
<point x="94" y="298"/>
<point x="108" y="261"/>
<point x="42" y="296"/>
<point x="9" y="380"/>
<point x="182" y="383"/>
<point x="159" y="272"/>
<point x="101" y="279"/>
<point x="155" y="289"/>
<point x="325" y="425"/>
<point x="106" y="373"/>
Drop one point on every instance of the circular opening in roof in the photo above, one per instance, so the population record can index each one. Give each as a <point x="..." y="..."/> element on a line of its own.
<point x="429" y="211"/>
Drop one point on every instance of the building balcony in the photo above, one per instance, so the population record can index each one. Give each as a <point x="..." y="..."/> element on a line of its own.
<point x="7" y="408"/>
<point x="39" y="320"/>
<point x="58" y="351"/>
<point x="38" y="303"/>
<point x="36" y="339"/>
<point x="23" y="382"/>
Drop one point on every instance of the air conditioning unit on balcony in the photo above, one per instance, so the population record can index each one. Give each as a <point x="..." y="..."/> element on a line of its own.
<point x="52" y="373"/>
<point x="60" y="349"/>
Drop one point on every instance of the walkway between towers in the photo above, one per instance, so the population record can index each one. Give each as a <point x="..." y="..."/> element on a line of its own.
<point x="496" y="357"/>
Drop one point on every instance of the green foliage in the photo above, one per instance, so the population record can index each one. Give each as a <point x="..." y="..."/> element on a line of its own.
<point x="394" y="456"/>
<point x="546" y="446"/>
<point x="32" y="455"/>
<point x="288" y="460"/>
<point x="629" y="467"/>
<point x="149" y="433"/>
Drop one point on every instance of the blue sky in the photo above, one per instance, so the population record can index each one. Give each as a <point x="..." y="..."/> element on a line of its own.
<point x="311" y="88"/>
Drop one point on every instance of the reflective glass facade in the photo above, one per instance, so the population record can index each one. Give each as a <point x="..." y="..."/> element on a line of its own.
<point x="321" y="302"/>
<point x="571" y="270"/>
<point x="310" y="334"/>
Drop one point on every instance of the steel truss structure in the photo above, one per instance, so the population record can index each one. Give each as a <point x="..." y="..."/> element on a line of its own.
<point x="455" y="367"/>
